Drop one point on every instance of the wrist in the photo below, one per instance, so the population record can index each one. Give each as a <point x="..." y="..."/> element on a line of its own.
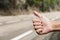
<point x="55" y="25"/>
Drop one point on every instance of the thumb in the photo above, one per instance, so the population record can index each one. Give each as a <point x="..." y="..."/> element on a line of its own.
<point x="37" y="14"/>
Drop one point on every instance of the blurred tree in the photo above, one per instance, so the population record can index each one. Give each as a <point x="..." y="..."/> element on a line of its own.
<point x="13" y="3"/>
<point x="30" y="2"/>
<point x="58" y="3"/>
<point x="42" y="5"/>
<point x="35" y="3"/>
<point x="4" y="4"/>
<point x="53" y="3"/>
<point x="47" y="5"/>
<point x="7" y="3"/>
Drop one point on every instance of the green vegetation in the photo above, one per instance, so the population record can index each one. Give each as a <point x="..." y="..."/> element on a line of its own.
<point x="42" y="5"/>
<point x="4" y="4"/>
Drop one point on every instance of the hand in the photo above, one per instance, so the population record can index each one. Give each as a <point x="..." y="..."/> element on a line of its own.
<point x="42" y="25"/>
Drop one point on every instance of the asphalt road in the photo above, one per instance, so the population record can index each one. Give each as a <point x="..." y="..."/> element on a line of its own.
<point x="12" y="26"/>
<point x="8" y="31"/>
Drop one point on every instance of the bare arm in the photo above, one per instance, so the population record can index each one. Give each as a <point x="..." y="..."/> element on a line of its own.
<point x="56" y="25"/>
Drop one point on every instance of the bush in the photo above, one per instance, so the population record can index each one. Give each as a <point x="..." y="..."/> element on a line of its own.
<point x="4" y="3"/>
<point x="43" y="5"/>
<point x="53" y="3"/>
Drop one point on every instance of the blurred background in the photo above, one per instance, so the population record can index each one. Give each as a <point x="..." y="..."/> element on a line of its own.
<point x="16" y="19"/>
<point x="16" y="7"/>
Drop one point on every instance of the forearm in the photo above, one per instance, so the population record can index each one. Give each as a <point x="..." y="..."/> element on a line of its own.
<point x="56" y="25"/>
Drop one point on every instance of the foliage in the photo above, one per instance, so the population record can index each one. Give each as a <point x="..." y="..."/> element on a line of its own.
<point x="4" y="3"/>
<point x="43" y="5"/>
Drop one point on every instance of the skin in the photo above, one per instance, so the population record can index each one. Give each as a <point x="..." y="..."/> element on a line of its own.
<point x="43" y="25"/>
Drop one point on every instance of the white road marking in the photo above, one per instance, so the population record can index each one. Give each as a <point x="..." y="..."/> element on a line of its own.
<point x="22" y="35"/>
<point x="28" y="32"/>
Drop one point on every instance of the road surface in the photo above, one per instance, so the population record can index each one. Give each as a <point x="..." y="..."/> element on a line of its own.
<point x="15" y="27"/>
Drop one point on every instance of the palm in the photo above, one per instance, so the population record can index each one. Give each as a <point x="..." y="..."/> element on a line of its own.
<point x="45" y="24"/>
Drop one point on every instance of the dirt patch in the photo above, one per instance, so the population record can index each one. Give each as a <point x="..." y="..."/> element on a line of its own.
<point x="13" y="12"/>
